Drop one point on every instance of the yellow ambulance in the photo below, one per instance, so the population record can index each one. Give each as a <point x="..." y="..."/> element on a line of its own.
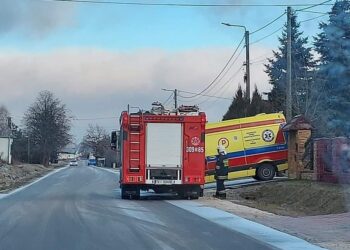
<point x="255" y="146"/>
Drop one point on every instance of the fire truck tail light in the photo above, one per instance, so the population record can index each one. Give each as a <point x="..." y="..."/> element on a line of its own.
<point x="135" y="179"/>
<point x="197" y="179"/>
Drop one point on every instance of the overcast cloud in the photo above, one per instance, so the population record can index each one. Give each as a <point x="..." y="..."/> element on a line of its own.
<point x="100" y="83"/>
<point x="34" y="18"/>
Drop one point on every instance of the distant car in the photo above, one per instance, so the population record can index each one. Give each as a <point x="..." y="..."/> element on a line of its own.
<point x="73" y="163"/>
<point x="92" y="162"/>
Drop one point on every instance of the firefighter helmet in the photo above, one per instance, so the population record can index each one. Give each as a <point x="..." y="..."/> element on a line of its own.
<point x="221" y="149"/>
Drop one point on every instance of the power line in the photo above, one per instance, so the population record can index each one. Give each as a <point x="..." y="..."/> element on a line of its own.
<point x="310" y="19"/>
<point x="259" y="61"/>
<point x="233" y="63"/>
<point x="315" y="5"/>
<point x="264" y="37"/>
<point x="168" y="100"/>
<point x="94" y="118"/>
<point x="262" y="56"/>
<point x="169" y="4"/>
<point x="224" y="68"/>
<point x="313" y="12"/>
<point x="212" y="96"/>
<point x="268" y="24"/>
<point x="224" y="88"/>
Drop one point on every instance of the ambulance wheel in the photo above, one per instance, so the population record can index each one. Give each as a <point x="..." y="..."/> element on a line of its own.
<point x="256" y="177"/>
<point x="265" y="172"/>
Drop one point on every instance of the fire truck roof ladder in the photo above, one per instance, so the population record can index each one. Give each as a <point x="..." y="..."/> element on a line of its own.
<point x="135" y="134"/>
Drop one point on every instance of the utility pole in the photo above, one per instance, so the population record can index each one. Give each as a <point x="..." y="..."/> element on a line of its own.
<point x="247" y="61"/>
<point x="289" y="66"/>
<point x="175" y="92"/>
<point x="9" y="136"/>
<point x="175" y="98"/>
<point x="28" y="149"/>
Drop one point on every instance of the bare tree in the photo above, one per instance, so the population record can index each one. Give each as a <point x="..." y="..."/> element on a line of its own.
<point x="48" y="125"/>
<point x="4" y="115"/>
<point x="97" y="139"/>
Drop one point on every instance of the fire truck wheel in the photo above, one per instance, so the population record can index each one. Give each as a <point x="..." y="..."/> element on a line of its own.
<point x="189" y="194"/>
<point x="265" y="172"/>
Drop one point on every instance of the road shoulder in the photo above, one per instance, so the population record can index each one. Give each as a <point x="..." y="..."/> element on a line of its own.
<point x="252" y="229"/>
<point x="328" y="231"/>
<point x="31" y="182"/>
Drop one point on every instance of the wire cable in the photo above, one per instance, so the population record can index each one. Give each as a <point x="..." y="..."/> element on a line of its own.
<point x="169" y="4"/>
<point x="264" y="37"/>
<point x="168" y="99"/>
<point x="223" y="89"/>
<point x="94" y="118"/>
<point x="209" y="90"/>
<point x="212" y="96"/>
<point x="268" y="24"/>
<point x="313" y="12"/>
<point x="315" y="5"/>
<point x="310" y="19"/>
<point x="224" y="68"/>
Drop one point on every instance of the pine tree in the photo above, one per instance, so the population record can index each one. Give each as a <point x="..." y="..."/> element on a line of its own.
<point x="333" y="46"/>
<point x="238" y="107"/>
<point x="302" y="71"/>
<point x="257" y="104"/>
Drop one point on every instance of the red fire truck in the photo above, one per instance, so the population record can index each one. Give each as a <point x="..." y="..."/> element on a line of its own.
<point x="163" y="151"/>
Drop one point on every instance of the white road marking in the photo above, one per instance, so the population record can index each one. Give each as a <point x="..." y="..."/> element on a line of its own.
<point x="252" y="229"/>
<point x="116" y="171"/>
<point x="2" y="196"/>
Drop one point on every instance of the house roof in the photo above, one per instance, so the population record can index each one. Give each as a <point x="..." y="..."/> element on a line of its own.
<point x="298" y="123"/>
<point x="69" y="149"/>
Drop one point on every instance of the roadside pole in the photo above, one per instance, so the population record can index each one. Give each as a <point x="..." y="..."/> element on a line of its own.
<point x="289" y="66"/>
<point x="246" y="35"/>
<point x="175" y="98"/>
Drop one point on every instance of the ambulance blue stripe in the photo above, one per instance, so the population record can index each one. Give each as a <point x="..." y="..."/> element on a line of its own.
<point x="253" y="151"/>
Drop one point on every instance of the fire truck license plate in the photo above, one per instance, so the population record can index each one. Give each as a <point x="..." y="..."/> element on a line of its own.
<point x="163" y="182"/>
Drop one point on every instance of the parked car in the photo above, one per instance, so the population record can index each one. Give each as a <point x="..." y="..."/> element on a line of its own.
<point x="92" y="162"/>
<point x="73" y="163"/>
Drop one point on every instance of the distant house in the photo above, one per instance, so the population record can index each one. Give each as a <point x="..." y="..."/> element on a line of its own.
<point x="68" y="153"/>
<point x="5" y="149"/>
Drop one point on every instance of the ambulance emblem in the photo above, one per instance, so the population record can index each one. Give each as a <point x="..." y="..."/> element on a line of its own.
<point x="195" y="141"/>
<point x="224" y="142"/>
<point x="268" y="135"/>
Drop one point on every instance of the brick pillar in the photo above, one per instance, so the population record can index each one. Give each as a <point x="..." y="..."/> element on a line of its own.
<point x="296" y="150"/>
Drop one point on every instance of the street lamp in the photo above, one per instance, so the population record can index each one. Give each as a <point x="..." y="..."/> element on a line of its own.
<point x="247" y="63"/>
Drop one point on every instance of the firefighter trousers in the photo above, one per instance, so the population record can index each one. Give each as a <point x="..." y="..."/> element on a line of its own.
<point x="220" y="188"/>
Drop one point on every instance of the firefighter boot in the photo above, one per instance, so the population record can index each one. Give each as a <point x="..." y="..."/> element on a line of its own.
<point x="222" y="196"/>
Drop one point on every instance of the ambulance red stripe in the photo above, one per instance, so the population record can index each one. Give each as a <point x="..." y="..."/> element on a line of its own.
<point x="244" y="125"/>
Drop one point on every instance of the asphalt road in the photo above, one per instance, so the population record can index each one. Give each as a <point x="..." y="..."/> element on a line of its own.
<point x="80" y="208"/>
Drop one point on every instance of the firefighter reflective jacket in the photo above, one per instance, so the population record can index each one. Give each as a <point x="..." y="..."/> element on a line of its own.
<point x="221" y="171"/>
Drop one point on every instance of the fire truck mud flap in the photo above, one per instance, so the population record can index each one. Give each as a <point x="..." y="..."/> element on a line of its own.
<point x="130" y="192"/>
<point x="190" y="192"/>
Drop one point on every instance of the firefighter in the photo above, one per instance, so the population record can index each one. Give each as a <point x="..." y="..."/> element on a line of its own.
<point x="221" y="172"/>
